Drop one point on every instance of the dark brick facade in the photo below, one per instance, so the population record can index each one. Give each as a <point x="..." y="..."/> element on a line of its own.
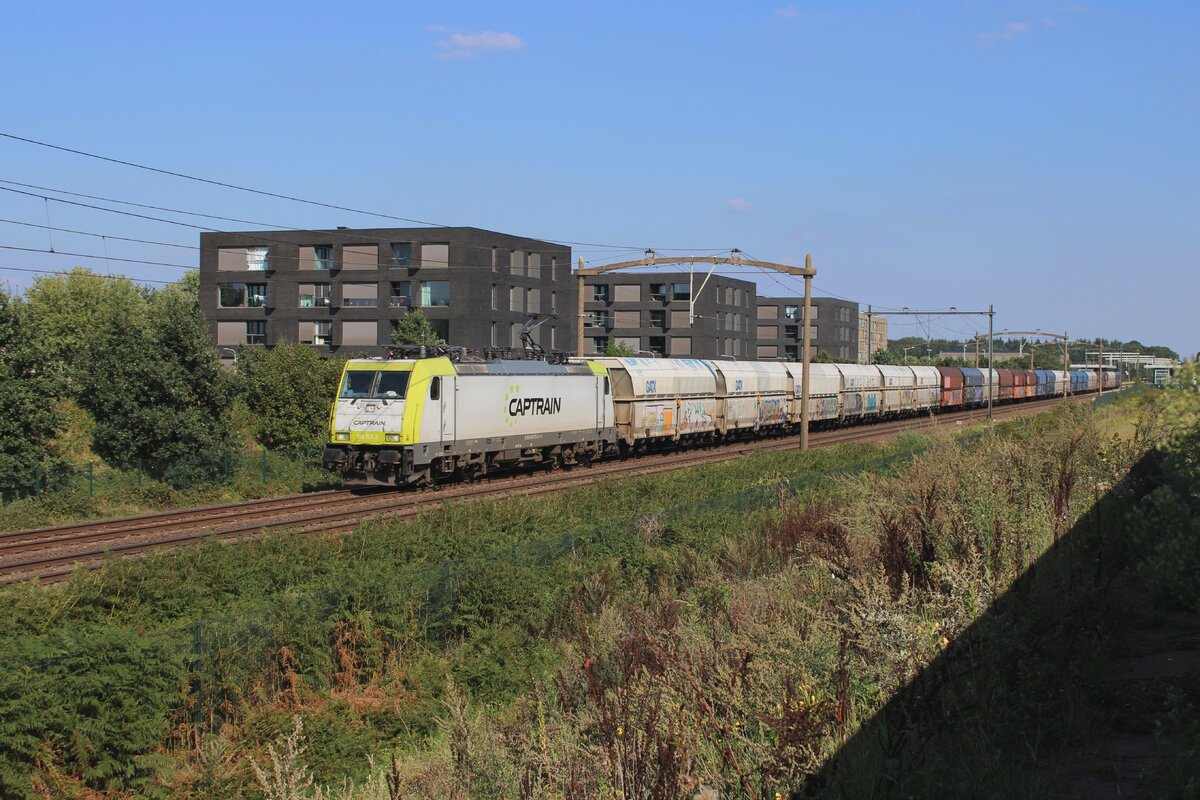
<point x="779" y="328"/>
<point x="650" y="313"/>
<point x="342" y="290"/>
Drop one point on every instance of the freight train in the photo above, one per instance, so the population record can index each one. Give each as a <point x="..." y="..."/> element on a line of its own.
<point x="417" y="421"/>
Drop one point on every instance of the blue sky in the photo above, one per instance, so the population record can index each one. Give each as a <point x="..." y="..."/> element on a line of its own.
<point x="1040" y="156"/>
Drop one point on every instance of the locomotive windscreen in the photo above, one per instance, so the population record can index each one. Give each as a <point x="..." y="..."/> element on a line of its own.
<point x="366" y="384"/>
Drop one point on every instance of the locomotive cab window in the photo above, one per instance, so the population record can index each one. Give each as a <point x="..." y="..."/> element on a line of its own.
<point x="435" y="388"/>
<point x="357" y="385"/>
<point x="392" y="385"/>
<point x="606" y="385"/>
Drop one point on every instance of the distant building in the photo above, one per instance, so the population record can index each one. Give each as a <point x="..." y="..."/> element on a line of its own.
<point x="343" y="290"/>
<point x="780" y="325"/>
<point x="878" y="333"/>
<point x="655" y="313"/>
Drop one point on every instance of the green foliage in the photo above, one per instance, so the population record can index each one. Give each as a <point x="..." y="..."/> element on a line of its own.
<point x="663" y="627"/>
<point x="94" y="707"/>
<point x="289" y="389"/>
<point x="156" y="389"/>
<point x="615" y="349"/>
<point x="821" y="357"/>
<point x="65" y="311"/>
<point x="28" y="418"/>
<point x="885" y="357"/>
<point x="414" y="328"/>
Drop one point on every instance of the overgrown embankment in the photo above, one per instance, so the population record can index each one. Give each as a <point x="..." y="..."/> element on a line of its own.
<point x="726" y="627"/>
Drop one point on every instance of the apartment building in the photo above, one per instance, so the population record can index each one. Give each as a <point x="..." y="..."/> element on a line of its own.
<point x="343" y="290"/>
<point x="879" y="335"/>
<point x="670" y="314"/>
<point x="779" y="328"/>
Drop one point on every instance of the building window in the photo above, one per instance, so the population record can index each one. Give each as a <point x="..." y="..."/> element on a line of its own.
<point x="680" y="319"/>
<point x="600" y="293"/>
<point x="360" y="295"/>
<point x="242" y="295"/>
<point x="314" y="295"/>
<point x="402" y="254"/>
<point x="792" y="312"/>
<point x="442" y="328"/>
<point x="768" y="312"/>
<point x="628" y="319"/>
<point x="493" y="270"/>
<point x="658" y="292"/>
<point x="681" y="291"/>
<point x="516" y="262"/>
<point x="319" y="256"/>
<point x="553" y="268"/>
<point x="791" y="331"/>
<point x="435" y="293"/>
<point x="399" y="296"/>
<point x="360" y="256"/>
<point x="658" y="345"/>
<point x="600" y="319"/>
<point x="533" y="301"/>
<point x="318" y="332"/>
<point x="632" y="342"/>
<point x="681" y="345"/>
<point x="492" y="340"/>
<point x="495" y="298"/>
<point x="658" y="318"/>
<point x="239" y="259"/>
<point x="599" y="344"/>
<point x="435" y="255"/>
<point x="256" y="332"/>
<point x="256" y="259"/>
<point x="516" y="299"/>
<point x="792" y="351"/>
<point x="554" y="302"/>
<point x="360" y="334"/>
<point x="515" y="341"/>
<point x="768" y="332"/>
<point x="627" y="293"/>
<point x="534" y="265"/>
<point x="736" y="293"/>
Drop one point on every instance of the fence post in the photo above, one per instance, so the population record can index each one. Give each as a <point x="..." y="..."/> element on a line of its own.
<point x="197" y="654"/>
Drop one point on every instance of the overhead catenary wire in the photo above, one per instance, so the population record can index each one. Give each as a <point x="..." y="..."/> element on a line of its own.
<point x="89" y="275"/>
<point x="282" y="196"/>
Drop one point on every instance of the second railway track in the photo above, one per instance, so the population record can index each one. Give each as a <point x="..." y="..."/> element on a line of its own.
<point x="49" y="554"/>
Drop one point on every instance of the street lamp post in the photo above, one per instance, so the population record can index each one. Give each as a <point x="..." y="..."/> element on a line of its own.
<point x="906" y="349"/>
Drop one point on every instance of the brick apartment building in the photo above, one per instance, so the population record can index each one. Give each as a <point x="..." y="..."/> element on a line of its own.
<point x="780" y="326"/>
<point x="342" y="290"/>
<point x="654" y="313"/>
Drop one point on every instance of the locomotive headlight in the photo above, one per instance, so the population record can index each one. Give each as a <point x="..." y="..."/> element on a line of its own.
<point x="341" y="437"/>
<point x="391" y="437"/>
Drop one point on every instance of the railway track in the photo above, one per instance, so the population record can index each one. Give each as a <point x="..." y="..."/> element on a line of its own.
<point x="50" y="554"/>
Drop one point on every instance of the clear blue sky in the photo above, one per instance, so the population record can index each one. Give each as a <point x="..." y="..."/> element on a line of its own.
<point x="1041" y="156"/>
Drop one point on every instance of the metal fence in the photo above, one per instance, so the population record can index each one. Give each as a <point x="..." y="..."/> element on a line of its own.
<point x="91" y="479"/>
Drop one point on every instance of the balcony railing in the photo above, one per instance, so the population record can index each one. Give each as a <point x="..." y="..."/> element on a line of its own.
<point x="398" y="301"/>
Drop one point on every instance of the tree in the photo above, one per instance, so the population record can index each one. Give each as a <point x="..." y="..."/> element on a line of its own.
<point x="156" y="389"/>
<point x="289" y="389"/>
<point x="884" y="357"/>
<point x="66" y="310"/>
<point x="615" y="349"/>
<point x="28" y="419"/>
<point x="415" y="328"/>
<point x="821" y="357"/>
